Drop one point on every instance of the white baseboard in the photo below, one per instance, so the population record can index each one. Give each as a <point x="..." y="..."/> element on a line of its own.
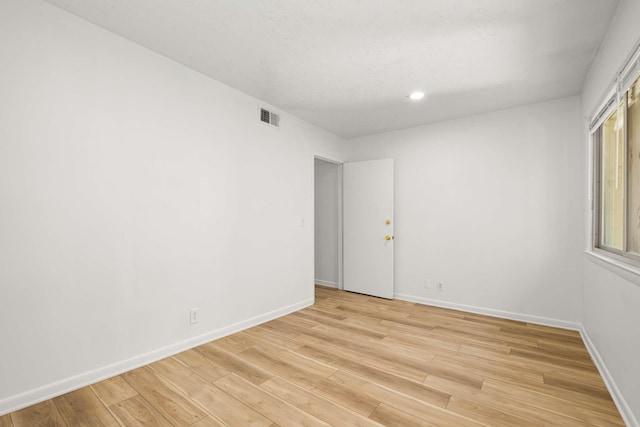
<point x="327" y="283"/>
<point x="546" y="321"/>
<point x="616" y="395"/>
<point x="49" y="391"/>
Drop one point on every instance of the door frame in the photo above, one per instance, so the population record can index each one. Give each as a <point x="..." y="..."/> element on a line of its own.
<point x="339" y="237"/>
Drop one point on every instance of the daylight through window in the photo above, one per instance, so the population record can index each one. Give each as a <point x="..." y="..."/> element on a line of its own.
<point x="617" y="177"/>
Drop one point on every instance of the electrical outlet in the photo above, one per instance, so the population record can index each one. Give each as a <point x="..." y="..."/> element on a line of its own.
<point x="194" y="315"/>
<point x="427" y="284"/>
<point x="440" y="287"/>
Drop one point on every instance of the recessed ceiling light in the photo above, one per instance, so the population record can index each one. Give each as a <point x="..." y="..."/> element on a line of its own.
<point x="416" y="96"/>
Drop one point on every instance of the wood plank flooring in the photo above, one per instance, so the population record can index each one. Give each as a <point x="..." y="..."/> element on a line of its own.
<point x="354" y="360"/>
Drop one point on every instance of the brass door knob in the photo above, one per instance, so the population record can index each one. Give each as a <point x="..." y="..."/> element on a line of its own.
<point x="388" y="237"/>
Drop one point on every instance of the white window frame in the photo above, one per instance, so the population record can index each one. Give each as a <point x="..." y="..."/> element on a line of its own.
<point x="616" y="93"/>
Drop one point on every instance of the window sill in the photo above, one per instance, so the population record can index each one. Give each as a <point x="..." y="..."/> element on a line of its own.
<point x="627" y="271"/>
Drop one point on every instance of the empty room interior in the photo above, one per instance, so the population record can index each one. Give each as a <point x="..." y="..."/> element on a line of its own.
<point x="356" y="213"/>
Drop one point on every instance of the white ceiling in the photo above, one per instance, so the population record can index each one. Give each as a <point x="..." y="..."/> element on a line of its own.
<point x="348" y="65"/>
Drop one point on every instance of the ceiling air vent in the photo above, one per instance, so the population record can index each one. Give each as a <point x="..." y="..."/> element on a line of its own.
<point x="269" y="117"/>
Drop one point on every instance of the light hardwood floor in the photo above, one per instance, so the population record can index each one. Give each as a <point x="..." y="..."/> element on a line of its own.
<point x="354" y="360"/>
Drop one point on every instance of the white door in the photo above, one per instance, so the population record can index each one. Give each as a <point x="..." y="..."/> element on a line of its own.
<point x="368" y="227"/>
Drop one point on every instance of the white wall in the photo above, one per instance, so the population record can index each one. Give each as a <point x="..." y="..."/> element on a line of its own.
<point x="611" y="300"/>
<point x="490" y="205"/>
<point x="132" y="189"/>
<point x="327" y="193"/>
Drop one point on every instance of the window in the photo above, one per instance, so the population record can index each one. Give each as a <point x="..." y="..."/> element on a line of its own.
<point x="617" y="175"/>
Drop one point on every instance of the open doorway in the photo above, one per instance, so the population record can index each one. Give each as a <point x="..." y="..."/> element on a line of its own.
<point x="328" y="223"/>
